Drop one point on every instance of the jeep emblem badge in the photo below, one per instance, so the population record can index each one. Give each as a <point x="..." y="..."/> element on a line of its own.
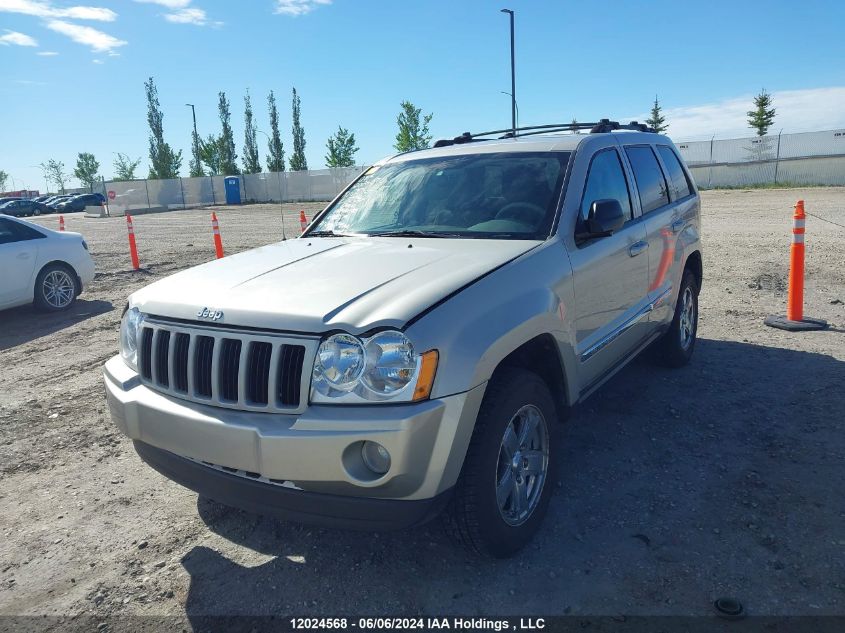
<point x="210" y="313"/>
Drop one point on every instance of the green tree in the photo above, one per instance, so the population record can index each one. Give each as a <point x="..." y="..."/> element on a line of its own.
<point x="228" y="156"/>
<point x="657" y="121"/>
<point x="575" y="122"/>
<point x="763" y="114"/>
<point x="341" y="149"/>
<point x="297" y="159"/>
<point x="276" y="157"/>
<point x="124" y="167"/>
<point x="252" y="163"/>
<point x="86" y="169"/>
<point x="210" y="154"/>
<point x="195" y="165"/>
<point x="4" y="178"/>
<point x="413" y="130"/>
<point x="164" y="162"/>
<point x="54" y="171"/>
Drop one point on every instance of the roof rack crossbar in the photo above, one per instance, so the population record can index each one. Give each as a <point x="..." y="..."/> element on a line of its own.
<point x="602" y="126"/>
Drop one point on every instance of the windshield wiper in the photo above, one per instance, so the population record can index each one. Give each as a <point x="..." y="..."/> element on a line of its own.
<point x="326" y="234"/>
<point x="412" y="233"/>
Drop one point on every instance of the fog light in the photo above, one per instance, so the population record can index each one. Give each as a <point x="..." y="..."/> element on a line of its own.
<point x="375" y="457"/>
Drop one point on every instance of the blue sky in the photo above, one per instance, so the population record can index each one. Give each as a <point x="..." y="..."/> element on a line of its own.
<point x="73" y="72"/>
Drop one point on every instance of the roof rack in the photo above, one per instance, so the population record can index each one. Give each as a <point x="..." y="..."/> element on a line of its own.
<point x="603" y="125"/>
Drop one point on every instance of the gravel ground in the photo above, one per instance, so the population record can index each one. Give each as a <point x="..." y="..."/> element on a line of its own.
<point x="722" y="478"/>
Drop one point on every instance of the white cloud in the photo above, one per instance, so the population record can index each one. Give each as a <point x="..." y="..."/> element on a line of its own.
<point x="190" y="15"/>
<point x="17" y="39"/>
<point x="797" y="111"/>
<point x="298" y="7"/>
<point x="169" y="4"/>
<point x="44" y="9"/>
<point x="97" y="61"/>
<point x="47" y="53"/>
<point x="98" y="41"/>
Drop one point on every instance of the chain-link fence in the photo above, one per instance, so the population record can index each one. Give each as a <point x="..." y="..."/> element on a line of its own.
<point x="810" y="158"/>
<point x="182" y="193"/>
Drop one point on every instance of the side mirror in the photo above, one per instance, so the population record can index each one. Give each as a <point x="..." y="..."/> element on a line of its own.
<point x="605" y="217"/>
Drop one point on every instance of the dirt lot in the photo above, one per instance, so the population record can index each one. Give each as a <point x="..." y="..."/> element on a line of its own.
<point x="723" y="478"/>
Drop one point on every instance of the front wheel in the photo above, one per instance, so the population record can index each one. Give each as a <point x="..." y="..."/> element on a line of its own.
<point x="505" y="485"/>
<point x="676" y="346"/>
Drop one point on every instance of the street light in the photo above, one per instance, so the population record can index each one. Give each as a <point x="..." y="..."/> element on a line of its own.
<point x="279" y="179"/>
<point x="513" y="76"/>
<point x="196" y="137"/>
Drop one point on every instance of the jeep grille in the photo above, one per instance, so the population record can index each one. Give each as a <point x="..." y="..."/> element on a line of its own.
<point x="252" y="371"/>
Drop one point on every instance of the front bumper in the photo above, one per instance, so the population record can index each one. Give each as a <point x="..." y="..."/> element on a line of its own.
<point x="317" y="451"/>
<point x="357" y="513"/>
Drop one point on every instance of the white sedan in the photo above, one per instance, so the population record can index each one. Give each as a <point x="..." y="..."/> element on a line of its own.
<point x="41" y="266"/>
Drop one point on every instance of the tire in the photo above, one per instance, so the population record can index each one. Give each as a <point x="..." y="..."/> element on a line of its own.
<point x="675" y="347"/>
<point x="474" y="517"/>
<point x="56" y="288"/>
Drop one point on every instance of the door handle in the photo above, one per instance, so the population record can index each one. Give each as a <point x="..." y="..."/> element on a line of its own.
<point x="23" y="255"/>
<point x="637" y="247"/>
<point x="677" y="225"/>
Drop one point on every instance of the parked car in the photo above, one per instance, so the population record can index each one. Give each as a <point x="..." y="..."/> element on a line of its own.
<point x="9" y="199"/>
<point x="54" y="203"/>
<point x="41" y="266"/>
<point x="24" y="208"/>
<point x="416" y="349"/>
<point x="78" y="203"/>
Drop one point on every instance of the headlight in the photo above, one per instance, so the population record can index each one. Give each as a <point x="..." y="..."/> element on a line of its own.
<point x="340" y="362"/>
<point x="130" y="330"/>
<point x="382" y="367"/>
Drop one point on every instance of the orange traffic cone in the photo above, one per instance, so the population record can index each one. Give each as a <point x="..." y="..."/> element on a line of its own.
<point x="794" y="319"/>
<point x="133" y="249"/>
<point x="303" y="221"/>
<point x="61" y="223"/>
<point x="215" y="228"/>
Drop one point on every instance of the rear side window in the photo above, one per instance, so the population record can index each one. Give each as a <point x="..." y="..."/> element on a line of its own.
<point x="650" y="181"/>
<point x="14" y="232"/>
<point x="606" y="180"/>
<point x="676" y="172"/>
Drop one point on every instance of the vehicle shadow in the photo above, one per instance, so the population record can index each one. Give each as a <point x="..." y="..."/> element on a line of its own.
<point x="675" y="487"/>
<point x="24" y="324"/>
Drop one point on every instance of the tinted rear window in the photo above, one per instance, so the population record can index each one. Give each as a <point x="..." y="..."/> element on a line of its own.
<point x="676" y="172"/>
<point x="650" y="181"/>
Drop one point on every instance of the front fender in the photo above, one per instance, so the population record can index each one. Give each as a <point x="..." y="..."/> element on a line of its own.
<point x="477" y="328"/>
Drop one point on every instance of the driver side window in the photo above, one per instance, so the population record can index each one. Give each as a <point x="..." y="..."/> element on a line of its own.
<point x="605" y="181"/>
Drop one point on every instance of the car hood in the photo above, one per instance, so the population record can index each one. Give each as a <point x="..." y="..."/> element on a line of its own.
<point x="320" y="284"/>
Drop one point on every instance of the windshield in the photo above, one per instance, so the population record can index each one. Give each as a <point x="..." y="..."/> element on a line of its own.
<point x="504" y="196"/>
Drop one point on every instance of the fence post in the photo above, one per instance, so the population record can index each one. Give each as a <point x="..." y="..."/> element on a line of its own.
<point x="182" y="189"/>
<point x="147" y="187"/>
<point x="710" y="175"/>
<point x="777" y="157"/>
<point x="213" y="197"/>
<point x="106" y="194"/>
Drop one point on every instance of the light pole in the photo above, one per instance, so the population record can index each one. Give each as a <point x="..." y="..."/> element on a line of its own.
<point x="196" y="137"/>
<point x="513" y="77"/>
<point x="504" y="92"/>
<point x="279" y="180"/>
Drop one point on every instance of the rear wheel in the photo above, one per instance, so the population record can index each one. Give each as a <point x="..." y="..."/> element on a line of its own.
<point x="504" y="489"/>
<point x="676" y="346"/>
<point x="56" y="288"/>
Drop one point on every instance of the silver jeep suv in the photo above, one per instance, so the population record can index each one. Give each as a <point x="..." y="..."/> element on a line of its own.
<point x="416" y="350"/>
